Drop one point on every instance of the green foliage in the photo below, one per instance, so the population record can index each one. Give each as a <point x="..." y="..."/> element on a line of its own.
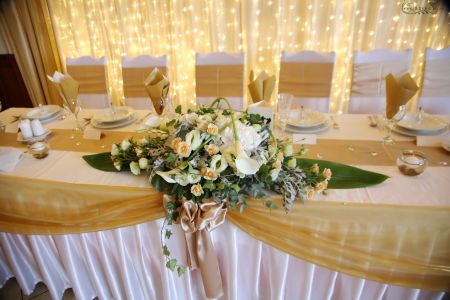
<point x="181" y="270"/>
<point x="178" y="109"/>
<point x="101" y="161"/>
<point x="166" y="251"/>
<point x="171" y="264"/>
<point x="168" y="234"/>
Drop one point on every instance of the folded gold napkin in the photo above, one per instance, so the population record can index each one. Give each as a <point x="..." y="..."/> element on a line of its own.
<point x="261" y="87"/>
<point x="157" y="87"/>
<point x="398" y="92"/>
<point x="66" y="85"/>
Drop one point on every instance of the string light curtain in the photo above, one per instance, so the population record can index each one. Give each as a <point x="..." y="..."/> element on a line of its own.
<point x="261" y="29"/>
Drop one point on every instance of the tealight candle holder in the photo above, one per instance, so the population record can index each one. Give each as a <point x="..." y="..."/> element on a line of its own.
<point x="39" y="150"/>
<point x="412" y="162"/>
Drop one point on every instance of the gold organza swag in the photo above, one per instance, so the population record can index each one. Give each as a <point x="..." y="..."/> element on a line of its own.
<point x="408" y="246"/>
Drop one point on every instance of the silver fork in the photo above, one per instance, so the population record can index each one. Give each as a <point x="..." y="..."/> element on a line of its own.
<point x="335" y="124"/>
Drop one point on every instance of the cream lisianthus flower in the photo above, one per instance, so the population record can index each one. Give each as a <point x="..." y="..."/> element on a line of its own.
<point x="276" y="164"/>
<point x="194" y="138"/>
<point x="194" y="176"/>
<point x="212" y="149"/>
<point x="182" y="178"/>
<point x="315" y="169"/>
<point x="209" y="174"/>
<point x="280" y="155"/>
<point x="183" y="149"/>
<point x="310" y="194"/>
<point x="292" y="163"/>
<point x="196" y="190"/>
<point x="326" y="173"/>
<point x="218" y="163"/>
<point x="134" y="167"/>
<point x="125" y="144"/>
<point x="114" y="150"/>
<point x="174" y="143"/>
<point x="321" y="185"/>
<point x="212" y="129"/>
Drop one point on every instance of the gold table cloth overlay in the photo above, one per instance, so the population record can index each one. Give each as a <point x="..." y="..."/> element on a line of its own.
<point x="394" y="244"/>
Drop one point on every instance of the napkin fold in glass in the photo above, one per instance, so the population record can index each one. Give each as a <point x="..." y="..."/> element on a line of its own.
<point x="157" y="86"/>
<point x="9" y="158"/>
<point x="398" y="92"/>
<point x="67" y="86"/>
<point x="261" y="87"/>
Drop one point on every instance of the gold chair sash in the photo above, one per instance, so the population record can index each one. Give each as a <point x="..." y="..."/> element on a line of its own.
<point x="222" y="80"/>
<point x="306" y="79"/>
<point x="133" y="81"/>
<point x="92" y="79"/>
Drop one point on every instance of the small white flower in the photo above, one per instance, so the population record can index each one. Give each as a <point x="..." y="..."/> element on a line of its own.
<point x="244" y="163"/>
<point x="143" y="163"/>
<point x="218" y="163"/>
<point x="117" y="165"/>
<point x="138" y="151"/>
<point x="274" y="174"/>
<point x="169" y="175"/>
<point x="114" y="150"/>
<point x="292" y="163"/>
<point x="125" y="144"/>
<point x="190" y="118"/>
<point x="196" y="190"/>
<point x="194" y="176"/>
<point x="182" y="179"/>
<point x="134" y="167"/>
<point x="288" y="150"/>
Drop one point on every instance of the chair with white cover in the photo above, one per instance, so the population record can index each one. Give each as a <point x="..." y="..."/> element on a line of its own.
<point x="368" y="93"/>
<point x="307" y="75"/>
<point x="90" y="72"/>
<point x="220" y="74"/>
<point x="435" y="97"/>
<point x="134" y="72"/>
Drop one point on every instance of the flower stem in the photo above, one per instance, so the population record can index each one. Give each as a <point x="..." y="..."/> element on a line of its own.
<point x="233" y="119"/>
<point x="275" y="142"/>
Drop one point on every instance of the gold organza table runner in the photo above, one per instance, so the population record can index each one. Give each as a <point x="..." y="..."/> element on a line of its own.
<point x="403" y="245"/>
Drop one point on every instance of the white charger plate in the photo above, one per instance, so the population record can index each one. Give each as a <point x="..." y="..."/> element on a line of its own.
<point x="316" y="129"/>
<point x="429" y="124"/>
<point x="42" y="112"/>
<point x="311" y="118"/>
<point x="33" y="139"/>
<point x="408" y="132"/>
<point x="100" y="125"/>
<point x="107" y="116"/>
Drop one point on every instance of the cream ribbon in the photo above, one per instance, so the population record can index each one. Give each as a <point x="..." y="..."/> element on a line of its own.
<point x="197" y="220"/>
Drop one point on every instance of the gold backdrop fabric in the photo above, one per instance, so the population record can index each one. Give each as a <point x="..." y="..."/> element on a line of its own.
<point x="402" y="245"/>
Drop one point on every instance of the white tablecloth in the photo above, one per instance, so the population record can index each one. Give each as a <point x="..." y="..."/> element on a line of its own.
<point x="127" y="263"/>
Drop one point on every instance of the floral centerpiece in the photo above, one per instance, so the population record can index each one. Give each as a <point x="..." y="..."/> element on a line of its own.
<point x="209" y="160"/>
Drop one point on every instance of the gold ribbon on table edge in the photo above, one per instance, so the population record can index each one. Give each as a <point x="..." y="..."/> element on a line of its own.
<point x="197" y="220"/>
<point x="363" y="240"/>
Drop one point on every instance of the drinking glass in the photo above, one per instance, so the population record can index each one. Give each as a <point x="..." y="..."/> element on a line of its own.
<point x="390" y="123"/>
<point x="73" y="106"/>
<point x="283" y="109"/>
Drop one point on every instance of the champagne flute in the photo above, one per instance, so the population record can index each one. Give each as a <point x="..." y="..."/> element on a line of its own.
<point x="74" y="106"/>
<point x="283" y="108"/>
<point x="391" y="122"/>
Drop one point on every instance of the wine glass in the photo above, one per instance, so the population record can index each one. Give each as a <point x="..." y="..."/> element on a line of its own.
<point x="73" y="105"/>
<point x="391" y="122"/>
<point x="283" y="108"/>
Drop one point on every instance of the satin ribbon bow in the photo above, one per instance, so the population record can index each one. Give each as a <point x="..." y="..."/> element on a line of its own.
<point x="197" y="220"/>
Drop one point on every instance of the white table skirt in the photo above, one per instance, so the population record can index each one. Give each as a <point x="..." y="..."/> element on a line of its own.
<point x="127" y="263"/>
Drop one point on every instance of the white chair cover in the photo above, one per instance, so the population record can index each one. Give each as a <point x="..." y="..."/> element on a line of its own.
<point x="97" y="96"/>
<point x="368" y="94"/>
<point x="317" y="103"/>
<point x="147" y="63"/>
<point x="435" y="96"/>
<point x="220" y="59"/>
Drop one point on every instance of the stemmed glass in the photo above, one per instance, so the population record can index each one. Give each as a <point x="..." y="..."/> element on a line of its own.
<point x="391" y="122"/>
<point x="283" y="108"/>
<point x="73" y="105"/>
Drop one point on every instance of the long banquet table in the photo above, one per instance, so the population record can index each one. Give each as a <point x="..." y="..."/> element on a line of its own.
<point x="127" y="262"/>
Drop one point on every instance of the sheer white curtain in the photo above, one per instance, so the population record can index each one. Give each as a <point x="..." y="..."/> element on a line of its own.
<point x="261" y="29"/>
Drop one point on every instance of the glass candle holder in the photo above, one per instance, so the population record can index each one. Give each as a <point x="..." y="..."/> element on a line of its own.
<point x="39" y="149"/>
<point x="412" y="162"/>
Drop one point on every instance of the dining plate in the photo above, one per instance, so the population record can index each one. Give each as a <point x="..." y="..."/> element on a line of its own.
<point x="42" y="112"/>
<point x="307" y="118"/>
<point x="131" y="119"/>
<point x="408" y="132"/>
<point x="34" y="139"/>
<point x="429" y="123"/>
<point x="316" y="129"/>
<point x="113" y="116"/>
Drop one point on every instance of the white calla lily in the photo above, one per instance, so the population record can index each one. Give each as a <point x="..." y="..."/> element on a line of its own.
<point x="218" y="163"/>
<point x="169" y="176"/>
<point x="194" y="138"/>
<point x="244" y="163"/>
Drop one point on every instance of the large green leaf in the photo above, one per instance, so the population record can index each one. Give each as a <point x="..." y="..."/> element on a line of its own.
<point x="101" y="161"/>
<point x="345" y="176"/>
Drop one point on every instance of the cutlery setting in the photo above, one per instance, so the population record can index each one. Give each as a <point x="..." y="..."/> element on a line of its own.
<point x="373" y="121"/>
<point x="335" y="124"/>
